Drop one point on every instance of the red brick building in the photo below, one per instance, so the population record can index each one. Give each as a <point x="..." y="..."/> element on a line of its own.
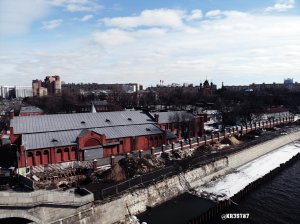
<point x="30" y="111"/>
<point x="59" y="138"/>
<point x="180" y="124"/>
<point x="85" y="136"/>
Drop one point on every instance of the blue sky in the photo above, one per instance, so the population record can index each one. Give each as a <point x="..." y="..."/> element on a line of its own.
<point x="234" y="41"/>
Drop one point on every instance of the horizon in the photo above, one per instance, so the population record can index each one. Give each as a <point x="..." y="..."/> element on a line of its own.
<point x="158" y="84"/>
<point x="101" y="41"/>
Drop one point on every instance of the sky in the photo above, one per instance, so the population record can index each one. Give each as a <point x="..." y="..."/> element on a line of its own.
<point x="237" y="42"/>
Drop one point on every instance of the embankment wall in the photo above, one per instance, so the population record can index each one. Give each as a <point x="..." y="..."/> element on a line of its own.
<point x="137" y="201"/>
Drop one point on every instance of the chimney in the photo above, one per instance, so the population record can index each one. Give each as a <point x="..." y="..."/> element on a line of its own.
<point x="11" y="114"/>
<point x="156" y="118"/>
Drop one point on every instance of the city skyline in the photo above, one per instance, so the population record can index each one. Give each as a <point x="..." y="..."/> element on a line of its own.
<point x="237" y="42"/>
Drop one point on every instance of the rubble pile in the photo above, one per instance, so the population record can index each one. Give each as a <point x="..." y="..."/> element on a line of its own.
<point x="115" y="173"/>
<point x="204" y="149"/>
<point x="131" y="167"/>
<point x="59" y="179"/>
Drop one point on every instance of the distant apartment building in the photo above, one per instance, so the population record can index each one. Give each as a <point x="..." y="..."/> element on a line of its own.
<point x="99" y="89"/>
<point x="50" y="86"/>
<point x="288" y="84"/>
<point x="15" y="91"/>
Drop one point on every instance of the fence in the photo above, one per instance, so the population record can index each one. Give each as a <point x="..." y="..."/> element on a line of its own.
<point x="178" y="166"/>
<point x="142" y="180"/>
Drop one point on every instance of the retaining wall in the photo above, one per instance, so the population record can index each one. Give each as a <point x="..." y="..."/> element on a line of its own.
<point x="240" y="158"/>
<point x="137" y="201"/>
<point x="30" y="199"/>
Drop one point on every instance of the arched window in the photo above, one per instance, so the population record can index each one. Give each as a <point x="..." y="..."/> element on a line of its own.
<point x="46" y="157"/>
<point x="92" y="142"/>
<point x="73" y="153"/>
<point x="58" y="155"/>
<point x="30" y="159"/>
<point x="66" y="156"/>
<point x="38" y="158"/>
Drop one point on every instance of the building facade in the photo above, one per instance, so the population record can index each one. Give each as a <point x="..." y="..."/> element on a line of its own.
<point x="15" y="91"/>
<point x="180" y="124"/>
<point x="85" y="136"/>
<point x="50" y="86"/>
<point x="30" y="111"/>
<point x="59" y="138"/>
<point x="288" y="84"/>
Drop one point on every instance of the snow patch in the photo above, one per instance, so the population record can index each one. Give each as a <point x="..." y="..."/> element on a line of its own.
<point x="226" y="186"/>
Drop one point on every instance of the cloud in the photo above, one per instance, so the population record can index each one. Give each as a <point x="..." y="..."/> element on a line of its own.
<point x="237" y="48"/>
<point x="17" y="16"/>
<point x="218" y="14"/>
<point x="281" y="6"/>
<point x="112" y="37"/>
<point x="213" y="14"/>
<point x="149" y="18"/>
<point x="77" y="5"/>
<point x="86" y="18"/>
<point x="195" y="15"/>
<point x="52" y="24"/>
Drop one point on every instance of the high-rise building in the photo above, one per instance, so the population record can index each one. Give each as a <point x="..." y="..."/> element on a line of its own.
<point x="53" y="84"/>
<point x="50" y="86"/>
<point x="15" y="91"/>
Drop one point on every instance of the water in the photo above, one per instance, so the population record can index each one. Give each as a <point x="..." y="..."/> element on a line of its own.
<point x="277" y="201"/>
<point x="176" y="211"/>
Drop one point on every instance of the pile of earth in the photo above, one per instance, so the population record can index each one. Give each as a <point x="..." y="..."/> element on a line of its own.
<point x="231" y="141"/>
<point x="131" y="167"/>
<point x="204" y="149"/>
<point x="176" y="155"/>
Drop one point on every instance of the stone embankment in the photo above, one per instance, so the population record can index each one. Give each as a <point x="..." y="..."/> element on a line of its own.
<point x="137" y="201"/>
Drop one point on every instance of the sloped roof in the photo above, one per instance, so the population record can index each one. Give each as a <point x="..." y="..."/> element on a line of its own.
<point x="62" y="138"/>
<point x="172" y="116"/>
<point x="30" y="109"/>
<point x="62" y="122"/>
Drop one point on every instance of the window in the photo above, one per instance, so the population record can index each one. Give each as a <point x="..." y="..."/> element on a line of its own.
<point x="66" y="154"/>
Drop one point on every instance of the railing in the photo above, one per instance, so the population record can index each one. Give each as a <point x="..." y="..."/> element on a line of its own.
<point x="141" y="180"/>
<point x="179" y="166"/>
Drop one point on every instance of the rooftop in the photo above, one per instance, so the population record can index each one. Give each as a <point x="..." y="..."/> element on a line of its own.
<point x="63" y="122"/>
<point x="30" y="109"/>
<point x="68" y="137"/>
<point x="173" y="116"/>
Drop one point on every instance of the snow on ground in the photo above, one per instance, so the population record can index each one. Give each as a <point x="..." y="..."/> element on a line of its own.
<point x="230" y="184"/>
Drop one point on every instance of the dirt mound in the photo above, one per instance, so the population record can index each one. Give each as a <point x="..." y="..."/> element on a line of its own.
<point x="231" y="141"/>
<point x="234" y="141"/>
<point x="116" y="173"/>
<point x="130" y="167"/>
<point x="153" y="160"/>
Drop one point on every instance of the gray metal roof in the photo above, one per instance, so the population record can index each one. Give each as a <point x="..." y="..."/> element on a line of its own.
<point x="172" y="116"/>
<point x="62" y="138"/>
<point x="30" y="109"/>
<point x="61" y="122"/>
